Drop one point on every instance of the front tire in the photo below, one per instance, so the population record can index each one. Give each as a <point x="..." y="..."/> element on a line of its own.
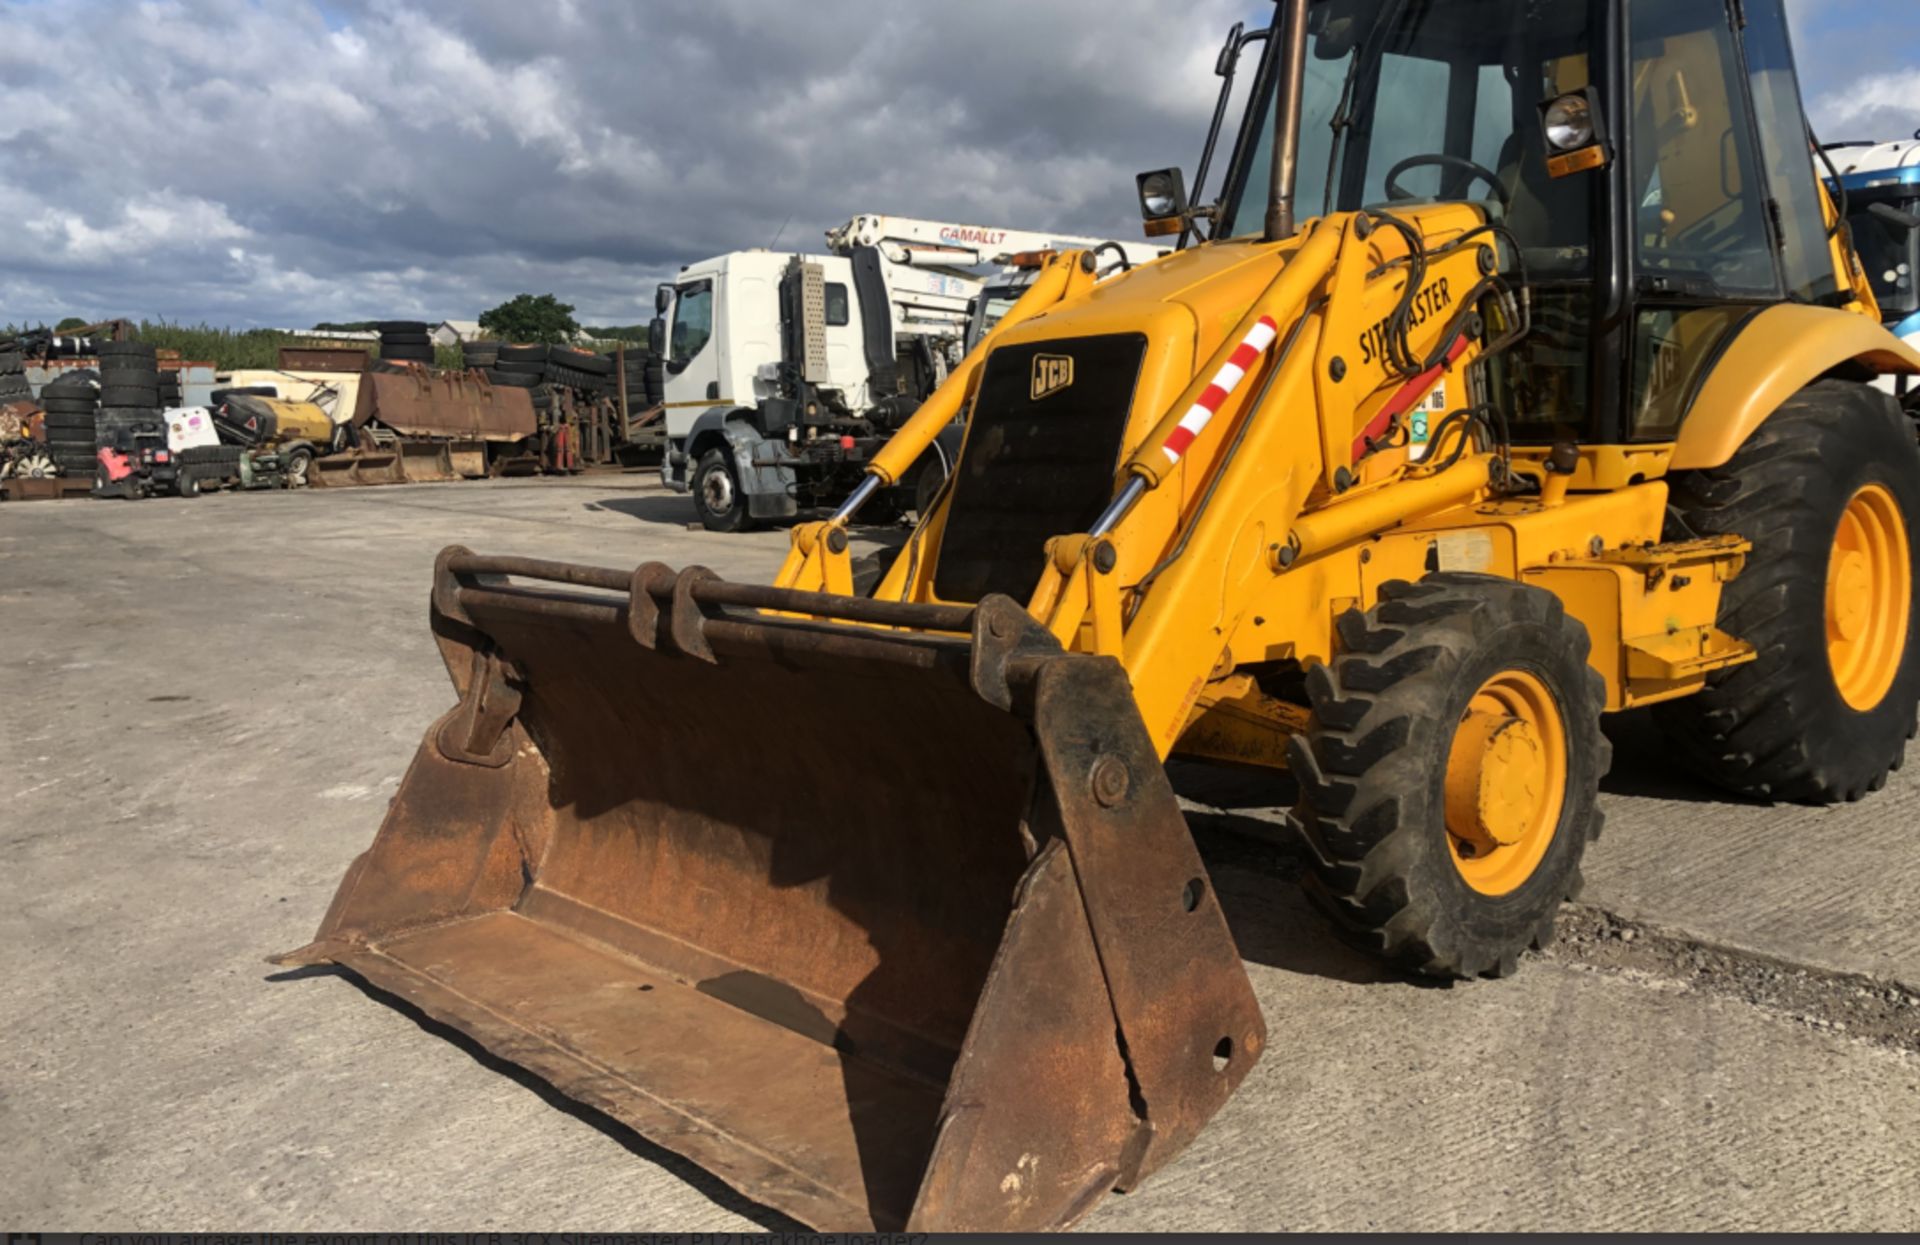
<point x="1828" y="491"/>
<point x="717" y="494"/>
<point x="1449" y="779"/>
<point x="298" y="464"/>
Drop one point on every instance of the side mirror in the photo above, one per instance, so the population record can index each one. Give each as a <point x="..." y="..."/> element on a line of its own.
<point x="1163" y="201"/>
<point x="662" y="299"/>
<point x="657" y="338"/>
<point x="1891" y="215"/>
<point x="1223" y="65"/>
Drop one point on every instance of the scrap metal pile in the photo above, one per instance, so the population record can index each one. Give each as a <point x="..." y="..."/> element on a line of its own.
<point x="593" y="409"/>
<point x="105" y="414"/>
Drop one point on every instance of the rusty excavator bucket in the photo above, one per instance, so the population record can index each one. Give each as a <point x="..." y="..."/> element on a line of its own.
<point x="884" y="913"/>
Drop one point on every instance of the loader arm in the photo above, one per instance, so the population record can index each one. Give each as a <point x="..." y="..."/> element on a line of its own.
<point x="817" y="560"/>
<point x="1285" y="442"/>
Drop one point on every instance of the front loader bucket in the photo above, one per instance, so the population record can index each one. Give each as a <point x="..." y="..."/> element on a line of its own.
<point x="428" y="462"/>
<point x="889" y="925"/>
<point x="356" y="468"/>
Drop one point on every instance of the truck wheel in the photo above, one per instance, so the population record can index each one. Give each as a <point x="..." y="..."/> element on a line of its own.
<point x="926" y="488"/>
<point x="1828" y="491"/>
<point x="297" y="464"/>
<point x="187" y="484"/>
<point x="1449" y="779"/>
<point x="717" y="495"/>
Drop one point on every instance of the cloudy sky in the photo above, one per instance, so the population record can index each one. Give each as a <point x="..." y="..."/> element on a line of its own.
<point x="281" y="162"/>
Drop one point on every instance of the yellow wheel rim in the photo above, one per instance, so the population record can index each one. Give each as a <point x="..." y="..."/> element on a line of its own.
<point x="1506" y="782"/>
<point x="1869" y="598"/>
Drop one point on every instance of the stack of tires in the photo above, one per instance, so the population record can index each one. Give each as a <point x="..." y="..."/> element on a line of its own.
<point x="405" y="341"/>
<point x="72" y="404"/>
<point x="654" y="373"/>
<point x="129" y="389"/>
<point x="13" y="374"/>
<point x="480" y="355"/>
<point x="169" y="387"/>
<point x="639" y="398"/>
<point x="523" y="367"/>
<point x="579" y="369"/>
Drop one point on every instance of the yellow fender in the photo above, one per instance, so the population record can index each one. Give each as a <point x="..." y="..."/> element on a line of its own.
<point x="1780" y="352"/>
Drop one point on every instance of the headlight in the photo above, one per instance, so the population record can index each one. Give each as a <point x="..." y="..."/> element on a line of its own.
<point x="1156" y="197"/>
<point x="1163" y="194"/>
<point x="1569" y="122"/>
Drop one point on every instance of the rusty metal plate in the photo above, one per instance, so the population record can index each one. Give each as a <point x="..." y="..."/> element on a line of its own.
<point x="420" y="403"/>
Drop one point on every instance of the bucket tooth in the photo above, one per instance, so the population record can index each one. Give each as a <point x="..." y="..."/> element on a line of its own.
<point x="887" y="925"/>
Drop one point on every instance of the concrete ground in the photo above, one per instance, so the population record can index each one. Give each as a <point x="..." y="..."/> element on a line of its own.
<point x="210" y="702"/>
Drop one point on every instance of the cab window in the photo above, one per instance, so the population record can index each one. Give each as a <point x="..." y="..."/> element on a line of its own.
<point x="692" y="323"/>
<point x="1805" y="253"/>
<point x="1702" y="215"/>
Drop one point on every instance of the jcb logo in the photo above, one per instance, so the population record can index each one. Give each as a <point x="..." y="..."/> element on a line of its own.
<point x="1051" y="374"/>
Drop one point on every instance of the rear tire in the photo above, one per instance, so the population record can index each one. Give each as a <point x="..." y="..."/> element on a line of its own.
<point x="1783" y="726"/>
<point x="717" y="494"/>
<point x="1391" y="857"/>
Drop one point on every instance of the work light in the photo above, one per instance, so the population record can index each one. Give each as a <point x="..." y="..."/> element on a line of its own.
<point x="1569" y="122"/>
<point x="1574" y="132"/>
<point x="1163" y="200"/>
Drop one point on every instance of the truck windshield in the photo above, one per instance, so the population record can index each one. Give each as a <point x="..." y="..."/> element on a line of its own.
<point x="692" y="322"/>
<point x="1418" y="100"/>
<point x="989" y="308"/>
<point x="1890" y="254"/>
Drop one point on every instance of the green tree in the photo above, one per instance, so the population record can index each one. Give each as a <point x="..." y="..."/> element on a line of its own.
<point x="71" y="323"/>
<point x="531" y="318"/>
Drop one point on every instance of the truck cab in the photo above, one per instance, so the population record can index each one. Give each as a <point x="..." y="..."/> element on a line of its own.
<point x="1873" y="177"/>
<point x="785" y="372"/>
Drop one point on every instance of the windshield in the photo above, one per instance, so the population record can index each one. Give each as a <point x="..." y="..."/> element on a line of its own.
<point x="1890" y="253"/>
<point x="692" y="322"/>
<point x="988" y="310"/>
<point x="1409" y="100"/>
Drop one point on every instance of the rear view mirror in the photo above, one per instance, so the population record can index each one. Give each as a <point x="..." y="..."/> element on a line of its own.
<point x="662" y="299"/>
<point x="1223" y="64"/>
<point x="1336" y="26"/>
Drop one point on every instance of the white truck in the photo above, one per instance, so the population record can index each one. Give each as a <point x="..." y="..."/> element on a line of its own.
<point x="783" y="373"/>
<point x="1880" y="185"/>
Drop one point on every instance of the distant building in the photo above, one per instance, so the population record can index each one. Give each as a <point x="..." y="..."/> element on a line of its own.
<point x="453" y="332"/>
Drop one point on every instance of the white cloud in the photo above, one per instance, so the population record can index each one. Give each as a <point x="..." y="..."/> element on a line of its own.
<point x="1879" y="106"/>
<point x="264" y="161"/>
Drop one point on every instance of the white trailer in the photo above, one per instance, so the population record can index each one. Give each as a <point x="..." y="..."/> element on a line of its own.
<point x="784" y="373"/>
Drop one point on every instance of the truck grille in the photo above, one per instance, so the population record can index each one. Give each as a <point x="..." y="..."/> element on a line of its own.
<point x="1042" y="447"/>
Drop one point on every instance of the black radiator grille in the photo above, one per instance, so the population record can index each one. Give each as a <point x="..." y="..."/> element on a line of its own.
<point x="1042" y="447"/>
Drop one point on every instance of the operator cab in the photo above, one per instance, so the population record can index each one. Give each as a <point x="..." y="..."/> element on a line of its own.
<point x="1645" y="162"/>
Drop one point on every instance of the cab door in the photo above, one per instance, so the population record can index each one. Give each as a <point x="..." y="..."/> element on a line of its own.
<point x="1723" y="201"/>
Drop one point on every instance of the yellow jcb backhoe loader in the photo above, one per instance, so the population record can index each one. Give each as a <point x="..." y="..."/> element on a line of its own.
<point x="881" y="906"/>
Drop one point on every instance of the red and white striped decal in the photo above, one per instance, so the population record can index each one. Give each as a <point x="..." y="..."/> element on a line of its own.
<point x="1255" y="344"/>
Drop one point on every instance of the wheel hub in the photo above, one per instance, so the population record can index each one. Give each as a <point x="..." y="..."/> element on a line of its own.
<point x="1506" y="782"/>
<point x="1497" y="778"/>
<point x="717" y="489"/>
<point x="1869" y="598"/>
